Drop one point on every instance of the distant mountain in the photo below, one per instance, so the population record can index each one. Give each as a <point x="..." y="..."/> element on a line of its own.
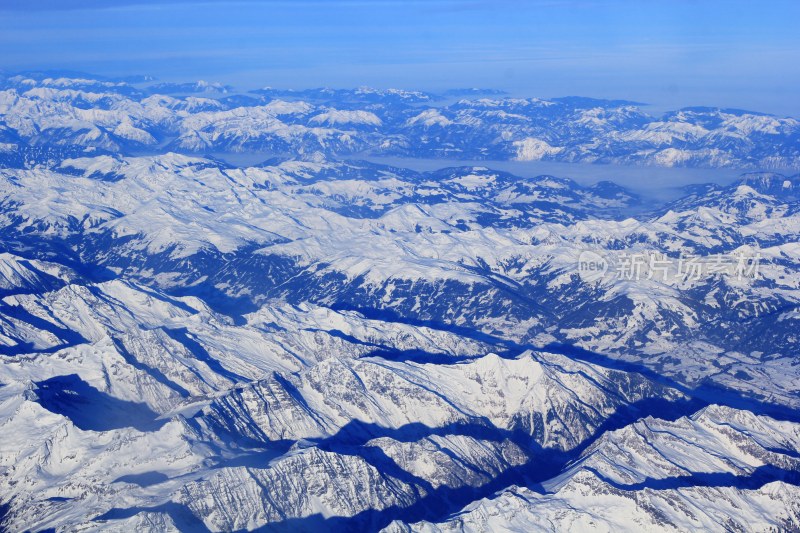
<point x="473" y="92"/>
<point x="189" y="88"/>
<point x="128" y="117"/>
<point x="364" y="95"/>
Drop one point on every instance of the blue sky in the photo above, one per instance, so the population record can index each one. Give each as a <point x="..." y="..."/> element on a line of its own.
<point x="729" y="53"/>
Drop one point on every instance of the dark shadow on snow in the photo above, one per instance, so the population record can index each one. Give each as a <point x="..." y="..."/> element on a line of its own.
<point x="67" y="337"/>
<point x="708" y="392"/>
<point x="759" y="477"/>
<point x="181" y="335"/>
<point x="438" y="503"/>
<point x="91" y="409"/>
<point x="145" y="479"/>
<point x="181" y="516"/>
<point x="153" y="372"/>
<point x="430" y="503"/>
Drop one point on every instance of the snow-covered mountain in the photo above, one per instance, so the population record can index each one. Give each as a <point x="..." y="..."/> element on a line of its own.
<point x="318" y="344"/>
<point x="81" y="114"/>
<point x="716" y="468"/>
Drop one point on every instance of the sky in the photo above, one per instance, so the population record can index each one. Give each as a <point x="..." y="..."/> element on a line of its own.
<point x="669" y="54"/>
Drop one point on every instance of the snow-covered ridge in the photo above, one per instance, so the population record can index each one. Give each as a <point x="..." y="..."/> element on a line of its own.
<point x="318" y="344"/>
<point x="122" y="117"/>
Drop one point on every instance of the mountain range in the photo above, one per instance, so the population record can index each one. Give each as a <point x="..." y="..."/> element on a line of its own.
<point x="323" y="343"/>
<point x="65" y="116"/>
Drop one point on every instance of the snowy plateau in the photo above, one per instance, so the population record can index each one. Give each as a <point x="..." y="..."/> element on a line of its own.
<point x="318" y="342"/>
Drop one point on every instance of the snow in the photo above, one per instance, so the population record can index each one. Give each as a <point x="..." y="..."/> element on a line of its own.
<point x="474" y="182"/>
<point x="517" y="128"/>
<point x="429" y="118"/>
<point x="184" y="344"/>
<point x="335" y="116"/>
<point x="532" y="149"/>
<point x="585" y="498"/>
